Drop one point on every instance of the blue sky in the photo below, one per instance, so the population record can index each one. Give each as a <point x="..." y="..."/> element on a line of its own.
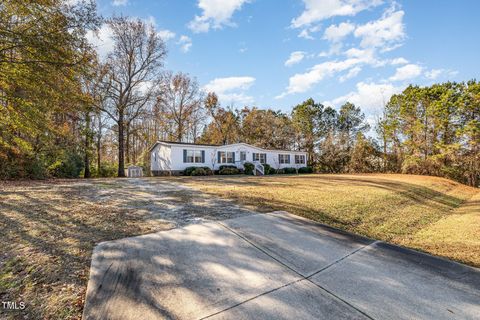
<point x="275" y="54"/>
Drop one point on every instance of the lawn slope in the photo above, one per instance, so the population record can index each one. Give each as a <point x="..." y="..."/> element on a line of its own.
<point x="431" y="214"/>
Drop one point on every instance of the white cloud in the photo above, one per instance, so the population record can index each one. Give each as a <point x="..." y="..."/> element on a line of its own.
<point x="350" y="74"/>
<point x="295" y="57"/>
<point x="371" y="97"/>
<point x="118" y="3"/>
<point x="385" y="33"/>
<point x="102" y="40"/>
<point x="306" y="33"/>
<point x="406" y="72"/>
<point x="335" y="33"/>
<point x="166" y="34"/>
<point x="185" y="43"/>
<point x="366" y="55"/>
<point x="335" y="48"/>
<point x="231" y="89"/>
<point x="316" y="11"/>
<point x="302" y="82"/>
<point x="434" y="73"/>
<point x="229" y="83"/>
<point x="216" y="14"/>
<point x="398" y="61"/>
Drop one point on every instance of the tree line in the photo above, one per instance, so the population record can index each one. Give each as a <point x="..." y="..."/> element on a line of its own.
<point x="65" y="112"/>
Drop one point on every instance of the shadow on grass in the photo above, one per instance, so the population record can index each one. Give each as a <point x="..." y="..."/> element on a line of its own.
<point x="49" y="234"/>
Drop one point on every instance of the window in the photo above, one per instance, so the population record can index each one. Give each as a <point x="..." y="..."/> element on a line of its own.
<point x="261" y="157"/>
<point x="226" y="157"/>
<point x="193" y="156"/>
<point x="284" y="158"/>
<point x="299" y="159"/>
<point x="243" y="156"/>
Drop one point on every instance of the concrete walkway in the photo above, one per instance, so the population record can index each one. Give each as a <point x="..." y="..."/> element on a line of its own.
<point x="273" y="266"/>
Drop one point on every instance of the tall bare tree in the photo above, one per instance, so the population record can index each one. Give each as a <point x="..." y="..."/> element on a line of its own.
<point x="180" y="99"/>
<point x="133" y="74"/>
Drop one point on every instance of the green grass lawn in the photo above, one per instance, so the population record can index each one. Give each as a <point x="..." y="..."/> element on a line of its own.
<point x="431" y="214"/>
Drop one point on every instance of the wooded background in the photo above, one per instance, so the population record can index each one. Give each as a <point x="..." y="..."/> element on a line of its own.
<point x="64" y="112"/>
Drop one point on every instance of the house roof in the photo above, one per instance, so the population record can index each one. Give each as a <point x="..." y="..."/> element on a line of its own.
<point x="217" y="145"/>
<point x="183" y="143"/>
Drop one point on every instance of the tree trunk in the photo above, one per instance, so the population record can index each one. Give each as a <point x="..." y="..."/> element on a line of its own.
<point x="121" y="147"/>
<point x="98" y="153"/>
<point x="384" y="153"/>
<point x="127" y="145"/>
<point x="180" y="132"/>
<point x="87" y="174"/>
<point x="134" y="149"/>
<point x="99" y="141"/>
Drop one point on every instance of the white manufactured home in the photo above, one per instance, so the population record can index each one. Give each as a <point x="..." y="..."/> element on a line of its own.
<point x="173" y="157"/>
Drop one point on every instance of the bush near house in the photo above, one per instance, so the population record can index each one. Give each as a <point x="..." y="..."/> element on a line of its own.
<point x="228" y="170"/>
<point x="227" y="167"/>
<point x="305" y="170"/>
<point x="267" y="169"/>
<point x="188" y="171"/>
<point x="248" y="168"/>
<point x="288" y="170"/>
<point x="197" y="171"/>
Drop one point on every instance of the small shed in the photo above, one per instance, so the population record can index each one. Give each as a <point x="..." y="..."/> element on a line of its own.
<point x="134" y="172"/>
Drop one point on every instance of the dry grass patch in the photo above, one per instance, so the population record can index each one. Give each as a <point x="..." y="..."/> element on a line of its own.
<point x="49" y="230"/>
<point x="422" y="212"/>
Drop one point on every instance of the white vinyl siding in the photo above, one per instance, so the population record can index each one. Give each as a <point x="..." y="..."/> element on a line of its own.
<point x="172" y="157"/>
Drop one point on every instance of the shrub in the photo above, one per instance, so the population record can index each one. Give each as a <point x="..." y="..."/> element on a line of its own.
<point x="305" y="170"/>
<point x="267" y="169"/>
<point x="227" y="166"/>
<point x="107" y="170"/>
<point x="188" y="170"/>
<point x="229" y="171"/>
<point x="208" y="171"/>
<point x="289" y="170"/>
<point x="68" y="165"/>
<point x="248" y="168"/>
<point x="199" y="172"/>
<point x="35" y="168"/>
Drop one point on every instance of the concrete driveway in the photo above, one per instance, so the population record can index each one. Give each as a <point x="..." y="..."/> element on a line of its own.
<point x="273" y="266"/>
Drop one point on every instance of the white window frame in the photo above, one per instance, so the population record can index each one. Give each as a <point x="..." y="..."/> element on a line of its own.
<point x="225" y="156"/>
<point x="194" y="156"/>
<point x="283" y="158"/>
<point x="258" y="157"/>
<point x="300" y="159"/>
<point x="243" y="155"/>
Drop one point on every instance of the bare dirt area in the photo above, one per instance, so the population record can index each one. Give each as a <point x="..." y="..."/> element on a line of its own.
<point x="49" y="229"/>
